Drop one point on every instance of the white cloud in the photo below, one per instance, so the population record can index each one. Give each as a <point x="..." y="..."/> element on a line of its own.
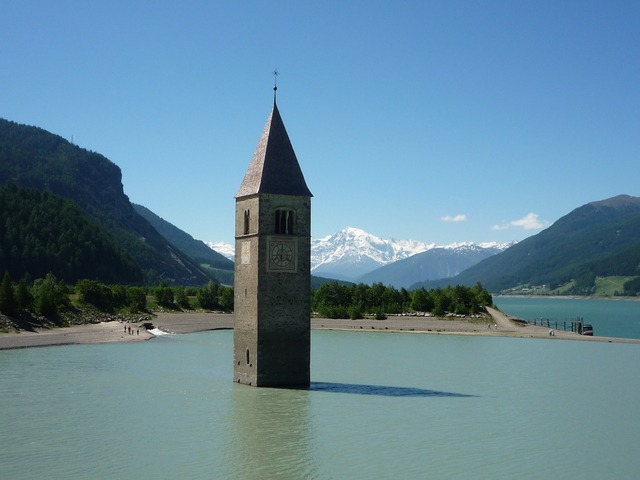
<point x="531" y="221"/>
<point x="454" y="218"/>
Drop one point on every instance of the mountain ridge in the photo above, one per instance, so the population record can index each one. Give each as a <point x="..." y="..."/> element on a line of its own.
<point x="354" y="255"/>
<point x="31" y="157"/>
<point x="600" y="238"/>
<point x="432" y="264"/>
<point x="352" y="252"/>
<point x="215" y="263"/>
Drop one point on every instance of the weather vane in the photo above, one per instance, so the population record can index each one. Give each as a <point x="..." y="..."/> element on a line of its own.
<point x="275" y="84"/>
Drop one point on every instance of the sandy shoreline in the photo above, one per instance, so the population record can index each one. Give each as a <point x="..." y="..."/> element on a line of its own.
<point x="108" y="332"/>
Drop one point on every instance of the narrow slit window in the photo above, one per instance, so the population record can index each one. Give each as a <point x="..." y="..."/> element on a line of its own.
<point x="248" y="356"/>
<point x="247" y="218"/>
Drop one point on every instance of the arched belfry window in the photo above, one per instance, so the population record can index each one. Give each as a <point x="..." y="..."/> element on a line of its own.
<point x="247" y="218"/>
<point x="284" y="222"/>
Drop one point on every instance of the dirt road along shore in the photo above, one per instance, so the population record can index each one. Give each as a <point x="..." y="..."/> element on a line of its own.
<point x="498" y="325"/>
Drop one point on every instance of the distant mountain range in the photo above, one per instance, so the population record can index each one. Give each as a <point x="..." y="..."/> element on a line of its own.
<point x="351" y="253"/>
<point x="599" y="239"/>
<point x="354" y="255"/>
<point x="223" y="249"/>
<point x="357" y="256"/>
<point x="435" y="263"/>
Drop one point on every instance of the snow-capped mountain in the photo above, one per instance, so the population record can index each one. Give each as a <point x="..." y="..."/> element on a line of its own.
<point x="223" y="249"/>
<point x="352" y="252"/>
<point x="433" y="264"/>
<point x="355" y="255"/>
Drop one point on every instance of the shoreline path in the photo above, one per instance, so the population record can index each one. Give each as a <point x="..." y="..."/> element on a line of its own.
<point x="502" y="325"/>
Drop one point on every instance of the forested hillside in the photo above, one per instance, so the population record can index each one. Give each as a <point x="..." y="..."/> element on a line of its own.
<point x="216" y="264"/>
<point x="34" y="158"/>
<point x="41" y="233"/>
<point x="598" y="239"/>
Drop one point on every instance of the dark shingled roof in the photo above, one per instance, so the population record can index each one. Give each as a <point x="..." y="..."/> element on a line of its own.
<point x="274" y="167"/>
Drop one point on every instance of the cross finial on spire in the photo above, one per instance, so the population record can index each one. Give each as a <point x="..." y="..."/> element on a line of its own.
<point x="275" y="84"/>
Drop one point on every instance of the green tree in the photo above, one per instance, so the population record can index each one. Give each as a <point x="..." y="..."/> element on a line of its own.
<point x="49" y="295"/>
<point x="421" y="300"/>
<point x="584" y="284"/>
<point x="332" y="300"/>
<point x="440" y="301"/>
<point x="136" y="299"/>
<point x="405" y="299"/>
<point x="355" y="313"/>
<point x="632" y="287"/>
<point x="180" y="297"/>
<point x="24" y="298"/>
<point x="95" y="293"/>
<point x="359" y="296"/>
<point x="8" y="303"/>
<point x="461" y="300"/>
<point x="226" y="299"/>
<point x="164" y="295"/>
<point x="119" y="294"/>
<point x="207" y="296"/>
<point x="482" y="296"/>
<point x="376" y="296"/>
<point x="391" y="300"/>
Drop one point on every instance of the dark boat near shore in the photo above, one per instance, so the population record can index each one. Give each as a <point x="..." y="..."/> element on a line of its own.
<point x="586" y="329"/>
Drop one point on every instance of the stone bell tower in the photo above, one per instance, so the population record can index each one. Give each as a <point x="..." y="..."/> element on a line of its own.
<point x="272" y="266"/>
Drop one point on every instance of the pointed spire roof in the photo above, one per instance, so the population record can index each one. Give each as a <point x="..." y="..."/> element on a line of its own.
<point x="274" y="167"/>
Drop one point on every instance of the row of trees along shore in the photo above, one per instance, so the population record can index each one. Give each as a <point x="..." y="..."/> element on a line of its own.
<point x="50" y="300"/>
<point x="336" y="300"/>
<point x="46" y="298"/>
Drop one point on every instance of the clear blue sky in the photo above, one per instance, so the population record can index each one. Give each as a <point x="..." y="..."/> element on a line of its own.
<point x="443" y="121"/>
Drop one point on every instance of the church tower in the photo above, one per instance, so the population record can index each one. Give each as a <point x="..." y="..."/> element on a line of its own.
<point x="273" y="266"/>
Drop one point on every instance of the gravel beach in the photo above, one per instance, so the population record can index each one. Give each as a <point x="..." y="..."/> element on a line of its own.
<point x="499" y="325"/>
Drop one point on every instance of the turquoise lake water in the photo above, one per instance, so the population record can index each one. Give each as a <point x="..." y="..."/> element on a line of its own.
<point x="610" y="318"/>
<point x="381" y="405"/>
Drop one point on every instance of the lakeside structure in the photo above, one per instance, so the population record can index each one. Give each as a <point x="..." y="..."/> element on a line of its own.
<point x="272" y="285"/>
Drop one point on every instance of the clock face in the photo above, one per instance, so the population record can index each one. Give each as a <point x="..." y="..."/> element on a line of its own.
<point x="281" y="255"/>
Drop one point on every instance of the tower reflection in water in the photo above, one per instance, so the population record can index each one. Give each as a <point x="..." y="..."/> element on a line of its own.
<point x="272" y="433"/>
